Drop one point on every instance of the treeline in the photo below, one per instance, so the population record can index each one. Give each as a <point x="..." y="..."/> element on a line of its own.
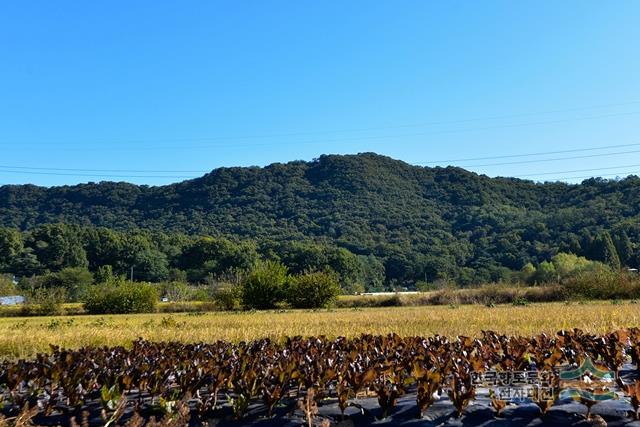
<point x="270" y="284"/>
<point x="55" y="251"/>
<point x="399" y="224"/>
<point x="49" y="250"/>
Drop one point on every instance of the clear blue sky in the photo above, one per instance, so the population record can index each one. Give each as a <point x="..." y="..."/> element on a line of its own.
<point x="194" y="85"/>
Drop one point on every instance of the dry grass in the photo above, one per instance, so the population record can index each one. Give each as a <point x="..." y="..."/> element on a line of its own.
<point x="23" y="337"/>
<point x="487" y="294"/>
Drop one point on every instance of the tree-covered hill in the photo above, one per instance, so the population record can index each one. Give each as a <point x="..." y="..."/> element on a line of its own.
<point x="419" y="222"/>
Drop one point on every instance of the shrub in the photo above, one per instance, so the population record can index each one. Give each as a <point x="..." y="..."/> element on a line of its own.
<point x="121" y="297"/>
<point x="264" y="287"/>
<point x="423" y="286"/>
<point x="75" y="280"/>
<point x="188" y="307"/>
<point x="104" y="274"/>
<point x="45" y="302"/>
<point x="201" y="294"/>
<point x="488" y="294"/>
<point x="520" y="301"/>
<point x="358" y="301"/>
<point x="228" y="297"/>
<point x="6" y="285"/>
<point x="313" y="290"/>
<point x="177" y="275"/>
<point x="603" y="283"/>
<point x="545" y="273"/>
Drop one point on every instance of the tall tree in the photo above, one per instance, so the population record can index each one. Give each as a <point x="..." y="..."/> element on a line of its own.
<point x="603" y="249"/>
<point x="624" y="247"/>
<point x="58" y="246"/>
<point x="10" y="246"/>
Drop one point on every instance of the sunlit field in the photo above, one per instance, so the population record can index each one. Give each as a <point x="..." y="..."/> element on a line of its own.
<point x="23" y="337"/>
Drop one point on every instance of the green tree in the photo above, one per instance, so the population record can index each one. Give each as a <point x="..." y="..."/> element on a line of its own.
<point x="177" y="275"/>
<point x="346" y="266"/>
<point x="265" y="286"/>
<point x="227" y="296"/>
<point x="74" y="280"/>
<point x="603" y="249"/>
<point x="527" y="273"/>
<point x="119" y="297"/>
<point x="624" y="247"/>
<point x="10" y="247"/>
<point x="7" y="286"/>
<point x="372" y="271"/>
<point x="215" y="256"/>
<point x="106" y="247"/>
<point x="312" y="290"/>
<point x="150" y="265"/>
<point x="26" y="264"/>
<point x="104" y="274"/>
<point x="569" y="264"/>
<point x="545" y="273"/>
<point x="57" y="246"/>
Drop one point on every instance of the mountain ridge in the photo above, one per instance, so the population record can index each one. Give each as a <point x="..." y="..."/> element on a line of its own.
<point x="366" y="203"/>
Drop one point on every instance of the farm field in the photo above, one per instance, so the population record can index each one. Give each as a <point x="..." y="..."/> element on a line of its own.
<point x="24" y="337"/>
<point x="493" y="379"/>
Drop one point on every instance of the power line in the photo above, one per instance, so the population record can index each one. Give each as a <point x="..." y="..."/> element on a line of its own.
<point x="540" y="153"/>
<point x="543" y="153"/>
<point x="529" y="154"/>
<point x="626" y="174"/>
<point x="38" y="170"/>
<point x="191" y="177"/>
<point x="381" y="137"/>
<point x="343" y="139"/>
<point x="554" y="159"/>
<point x="576" y="170"/>
<point x="397" y="136"/>
<point x="412" y="125"/>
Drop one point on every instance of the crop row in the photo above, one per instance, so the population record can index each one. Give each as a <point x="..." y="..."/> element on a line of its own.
<point x="303" y="370"/>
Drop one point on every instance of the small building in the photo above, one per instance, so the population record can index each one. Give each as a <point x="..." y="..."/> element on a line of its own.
<point x="12" y="300"/>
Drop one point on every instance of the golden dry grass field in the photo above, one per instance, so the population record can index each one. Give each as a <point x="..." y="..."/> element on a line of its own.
<point x="23" y="337"/>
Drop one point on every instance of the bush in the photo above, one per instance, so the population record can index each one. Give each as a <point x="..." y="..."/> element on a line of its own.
<point x="45" y="302"/>
<point x="121" y="297"/>
<point x="422" y="286"/>
<point x="188" y="307"/>
<point x="358" y="301"/>
<point x="264" y="287"/>
<point x="313" y="290"/>
<point x="75" y="280"/>
<point x="228" y="297"/>
<point x="603" y="283"/>
<point x="104" y="274"/>
<point x="6" y="285"/>
<point x="486" y="295"/>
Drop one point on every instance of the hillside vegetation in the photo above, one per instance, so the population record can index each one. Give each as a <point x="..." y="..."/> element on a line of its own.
<point x="399" y="223"/>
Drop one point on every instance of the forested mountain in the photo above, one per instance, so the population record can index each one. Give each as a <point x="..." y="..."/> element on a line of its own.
<point x="419" y="222"/>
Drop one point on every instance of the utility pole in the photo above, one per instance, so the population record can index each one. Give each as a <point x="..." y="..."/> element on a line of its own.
<point x="132" y="273"/>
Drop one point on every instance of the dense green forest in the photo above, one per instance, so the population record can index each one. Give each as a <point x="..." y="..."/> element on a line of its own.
<point x="376" y="221"/>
